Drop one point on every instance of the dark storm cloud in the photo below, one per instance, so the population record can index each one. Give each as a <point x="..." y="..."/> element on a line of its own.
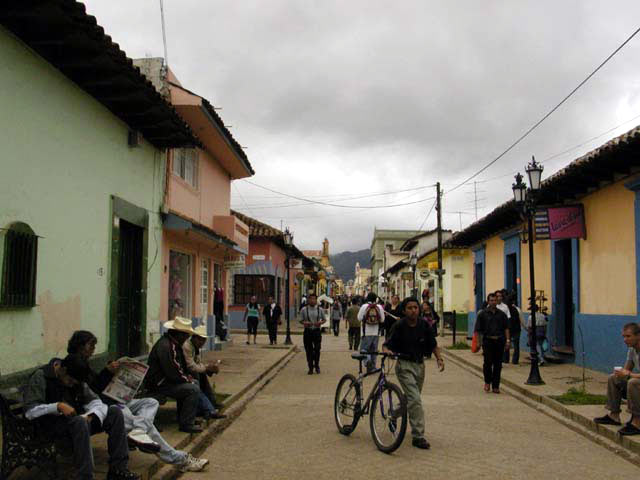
<point x="349" y="97"/>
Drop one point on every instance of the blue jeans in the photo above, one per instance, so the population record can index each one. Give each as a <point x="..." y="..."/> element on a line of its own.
<point x="369" y="343"/>
<point x="204" y="405"/>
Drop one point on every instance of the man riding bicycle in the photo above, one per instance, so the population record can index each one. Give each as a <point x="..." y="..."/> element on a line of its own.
<point x="412" y="339"/>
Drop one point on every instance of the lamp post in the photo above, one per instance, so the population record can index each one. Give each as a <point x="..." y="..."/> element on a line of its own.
<point x="525" y="199"/>
<point x="414" y="264"/>
<point x="288" y="241"/>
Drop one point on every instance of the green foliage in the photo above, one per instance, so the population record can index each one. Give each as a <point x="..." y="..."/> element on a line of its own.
<point x="459" y="346"/>
<point x="575" y="396"/>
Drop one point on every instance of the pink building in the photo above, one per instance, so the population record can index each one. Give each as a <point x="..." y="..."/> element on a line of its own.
<point x="201" y="239"/>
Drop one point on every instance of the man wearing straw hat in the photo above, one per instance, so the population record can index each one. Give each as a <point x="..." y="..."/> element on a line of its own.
<point x="207" y="404"/>
<point x="168" y="374"/>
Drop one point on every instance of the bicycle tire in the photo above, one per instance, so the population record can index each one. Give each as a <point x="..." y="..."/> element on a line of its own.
<point x="341" y="404"/>
<point x="389" y="390"/>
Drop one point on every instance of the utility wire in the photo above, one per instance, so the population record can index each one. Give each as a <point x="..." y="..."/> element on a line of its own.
<point x="245" y="202"/>
<point x="428" y="214"/>
<point x="547" y="115"/>
<point x="317" y="202"/>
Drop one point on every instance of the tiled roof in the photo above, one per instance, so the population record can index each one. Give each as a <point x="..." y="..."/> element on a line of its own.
<point x="257" y="228"/>
<point x="63" y="34"/>
<point x="606" y="164"/>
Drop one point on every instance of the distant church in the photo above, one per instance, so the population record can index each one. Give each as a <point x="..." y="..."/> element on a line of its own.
<point x="321" y="255"/>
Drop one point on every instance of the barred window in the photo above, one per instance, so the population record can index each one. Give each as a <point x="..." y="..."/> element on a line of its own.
<point x="245" y="286"/>
<point x="20" y="258"/>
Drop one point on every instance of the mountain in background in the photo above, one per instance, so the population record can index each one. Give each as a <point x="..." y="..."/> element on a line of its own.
<point x="344" y="264"/>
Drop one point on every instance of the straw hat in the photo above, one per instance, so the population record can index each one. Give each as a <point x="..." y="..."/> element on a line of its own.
<point x="180" y="324"/>
<point x="201" y="331"/>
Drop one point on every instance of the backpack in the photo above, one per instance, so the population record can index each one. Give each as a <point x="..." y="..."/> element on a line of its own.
<point x="372" y="315"/>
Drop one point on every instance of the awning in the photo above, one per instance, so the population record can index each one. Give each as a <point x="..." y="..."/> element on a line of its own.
<point x="179" y="224"/>
<point x="261" y="267"/>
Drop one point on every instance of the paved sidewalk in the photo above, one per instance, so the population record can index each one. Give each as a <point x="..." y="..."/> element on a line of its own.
<point x="288" y="432"/>
<point x="241" y="366"/>
<point x="558" y="379"/>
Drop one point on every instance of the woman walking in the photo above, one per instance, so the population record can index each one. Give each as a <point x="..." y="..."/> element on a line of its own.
<point x="252" y="317"/>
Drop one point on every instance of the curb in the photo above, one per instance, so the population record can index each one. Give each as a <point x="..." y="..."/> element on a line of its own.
<point x="575" y="421"/>
<point x="199" y="442"/>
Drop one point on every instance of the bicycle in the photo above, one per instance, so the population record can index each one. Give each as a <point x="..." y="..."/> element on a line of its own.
<point x="386" y="405"/>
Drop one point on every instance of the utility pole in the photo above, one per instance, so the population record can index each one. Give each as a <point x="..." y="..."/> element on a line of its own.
<point x="440" y="271"/>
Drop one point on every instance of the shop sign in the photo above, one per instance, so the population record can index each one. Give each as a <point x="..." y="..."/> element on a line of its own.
<point x="232" y="262"/>
<point x="560" y="222"/>
<point x="567" y="222"/>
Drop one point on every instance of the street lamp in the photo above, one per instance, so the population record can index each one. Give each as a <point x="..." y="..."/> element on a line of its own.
<point x="526" y="202"/>
<point x="414" y="264"/>
<point x="288" y="242"/>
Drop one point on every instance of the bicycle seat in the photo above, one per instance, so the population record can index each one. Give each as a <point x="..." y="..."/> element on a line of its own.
<point x="358" y="356"/>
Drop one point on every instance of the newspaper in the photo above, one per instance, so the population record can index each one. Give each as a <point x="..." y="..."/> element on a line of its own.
<point x="127" y="380"/>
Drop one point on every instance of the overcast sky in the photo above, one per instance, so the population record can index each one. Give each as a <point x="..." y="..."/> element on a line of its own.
<point x="339" y="99"/>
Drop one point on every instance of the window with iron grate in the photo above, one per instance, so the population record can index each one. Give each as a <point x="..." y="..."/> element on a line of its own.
<point x="19" y="267"/>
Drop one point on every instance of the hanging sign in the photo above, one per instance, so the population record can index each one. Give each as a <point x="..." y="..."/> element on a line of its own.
<point x="567" y="222"/>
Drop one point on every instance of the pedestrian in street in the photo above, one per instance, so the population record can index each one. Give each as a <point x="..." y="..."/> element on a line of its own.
<point x="168" y="374"/>
<point x="353" y="324"/>
<point x="272" y="313"/>
<point x="625" y="382"/>
<point x="412" y="340"/>
<point x="252" y="317"/>
<point x="493" y="324"/>
<point x="515" y="327"/>
<point x="59" y="400"/>
<point x="312" y="317"/>
<point x="426" y="314"/>
<point x="139" y="413"/>
<point x="537" y="338"/>
<point x="372" y="316"/>
<point x="336" y="316"/>
<point x="392" y="313"/>
<point x="207" y="406"/>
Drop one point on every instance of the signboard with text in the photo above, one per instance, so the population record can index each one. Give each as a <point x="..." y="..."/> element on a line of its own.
<point x="567" y="222"/>
<point x="558" y="223"/>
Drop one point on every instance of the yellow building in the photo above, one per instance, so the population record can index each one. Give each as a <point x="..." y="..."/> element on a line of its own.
<point x="456" y="281"/>
<point x="590" y="283"/>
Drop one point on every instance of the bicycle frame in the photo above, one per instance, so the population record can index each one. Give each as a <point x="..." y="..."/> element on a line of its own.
<point x="382" y="378"/>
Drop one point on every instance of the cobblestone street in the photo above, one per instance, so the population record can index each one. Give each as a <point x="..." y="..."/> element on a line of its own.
<point x="288" y="431"/>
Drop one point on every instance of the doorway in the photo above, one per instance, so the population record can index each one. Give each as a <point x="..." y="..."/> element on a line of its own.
<point x="511" y="273"/>
<point x="563" y="293"/>
<point x="479" y="285"/>
<point x="129" y="290"/>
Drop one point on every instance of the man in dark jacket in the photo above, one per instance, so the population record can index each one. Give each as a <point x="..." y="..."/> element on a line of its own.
<point x="58" y="398"/>
<point x="272" y="313"/>
<point x="168" y="373"/>
<point x="515" y="328"/>
<point x="493" y="324"/>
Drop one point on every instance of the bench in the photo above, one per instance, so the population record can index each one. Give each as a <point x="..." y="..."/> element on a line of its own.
<point x="23" y="443"/>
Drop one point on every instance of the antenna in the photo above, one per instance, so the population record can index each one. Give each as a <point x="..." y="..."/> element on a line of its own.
<point x="164" y="35"/>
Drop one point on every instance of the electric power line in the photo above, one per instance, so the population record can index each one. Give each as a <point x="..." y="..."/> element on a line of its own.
<point x="316" y="202"/>
<point x="547" y="115"/>
<point x="428" y="214"/>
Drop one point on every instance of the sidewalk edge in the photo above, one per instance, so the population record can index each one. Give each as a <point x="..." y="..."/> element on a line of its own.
<point x="585" y="426"/>
<point x="194" y="443"/>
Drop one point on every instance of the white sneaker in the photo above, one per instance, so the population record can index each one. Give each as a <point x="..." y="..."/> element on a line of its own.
<point x="193" y="464"/>
<point x="139" y="438"/>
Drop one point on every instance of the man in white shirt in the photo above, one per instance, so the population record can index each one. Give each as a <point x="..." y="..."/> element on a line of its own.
<point x="625" y="380"/>
<point x="500" y="295"/>
<point x="372" y="316"/>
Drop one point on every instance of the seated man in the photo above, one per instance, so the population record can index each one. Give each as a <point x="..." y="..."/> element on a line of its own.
<point x="139" y="413"/>
<point x="207" y="406"/>
<point x="622" y="381"/>
<point x="168" y="374"/>
<point x="58" y="398"/>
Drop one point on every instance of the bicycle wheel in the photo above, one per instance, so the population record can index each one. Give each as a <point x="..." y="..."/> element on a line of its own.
<point x="346" y="406"/>
<point x="388" y="418"/>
